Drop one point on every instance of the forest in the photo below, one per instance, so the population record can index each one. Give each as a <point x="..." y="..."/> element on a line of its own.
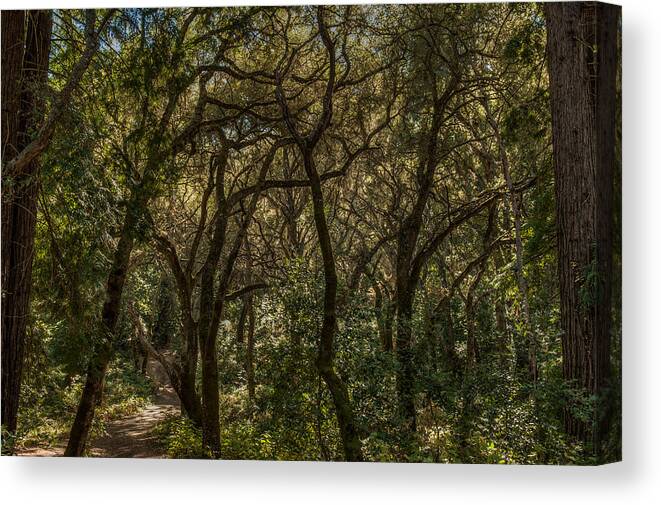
<point x="384" y="233"/>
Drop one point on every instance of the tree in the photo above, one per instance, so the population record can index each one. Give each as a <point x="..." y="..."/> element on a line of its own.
<point x="582" y="49"/>
<point x="333" y="230"/>
<point x="307" y="144"/>
<point x="159" y="149"/>
<point x="26" y="43"/>
<point x="27" y="132"/>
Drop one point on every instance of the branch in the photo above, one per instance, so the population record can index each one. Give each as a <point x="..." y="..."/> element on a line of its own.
<point x="308" y="142"/>
<point x="466" y="271"/>
<point x="327" y="113"/>
<point x="245" y="290"/>
<point x="30" y="152"/>
<point x="171" y="368"/>
<point x="238" y="241"/>
<point x="465" y="212"/>
<point x="364" y="261"/>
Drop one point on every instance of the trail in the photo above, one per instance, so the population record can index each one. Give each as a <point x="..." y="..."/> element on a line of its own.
<point x="130" y="436"/>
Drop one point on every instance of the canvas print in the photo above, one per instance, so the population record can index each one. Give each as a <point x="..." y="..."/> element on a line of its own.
<point x="359" y="233"/>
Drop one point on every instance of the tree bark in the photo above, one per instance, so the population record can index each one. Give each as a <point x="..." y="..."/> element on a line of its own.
<point x="207" y="341"/>
<point x="409" y="264"/>
<point x="582" y="50"/>
<point x="207" y="333"/>
<point x="13" y="48"/>
<point x="405" y="372"/>
<point x="25" y="48"/>
<point x="188" y="361"/>
<point x="212" y="301"/>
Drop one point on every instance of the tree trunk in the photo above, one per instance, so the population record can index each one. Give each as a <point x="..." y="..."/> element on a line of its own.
<point x="24" y="74"/>
<point x="513" y="205"/>
<point x="345" y="419"/>
<point x="210" y="392"/>
<point x="13" y="48"/>
<point x="582" y="48"/>
<point x="348" y="431"/>
<point x="405" y="372"/>
<point x="206" y="332"/>
<point x="103" y="351"/>
<point x="190" y="400"/>
<point x="406" y="281"/>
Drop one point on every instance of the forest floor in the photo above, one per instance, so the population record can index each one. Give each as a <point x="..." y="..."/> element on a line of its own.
<point x="130" y="436"/>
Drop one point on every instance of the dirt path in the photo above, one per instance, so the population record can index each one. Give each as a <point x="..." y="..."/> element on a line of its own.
<point x="130" y="436"/>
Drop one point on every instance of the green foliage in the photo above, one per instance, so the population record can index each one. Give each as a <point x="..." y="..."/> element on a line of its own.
<point x="165" y="320"/>
<point x="523" y="122"/>
<point x="181" y="439"/>
<point x="528" y="41"/>
<point x="125" y="147"/>
<point x="49" y="398"/>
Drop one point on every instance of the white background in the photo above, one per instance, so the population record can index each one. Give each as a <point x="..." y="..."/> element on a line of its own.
<point x="636" y="480"/>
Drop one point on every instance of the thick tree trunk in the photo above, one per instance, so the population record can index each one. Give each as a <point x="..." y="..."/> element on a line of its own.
<point x="92" y="392"/>
<point x="210" y="392"/>
<point x="13" y="48"/>
<point x="24" y="74"/>
<point x="582" y="48"/>
<point x="405" y="372"/>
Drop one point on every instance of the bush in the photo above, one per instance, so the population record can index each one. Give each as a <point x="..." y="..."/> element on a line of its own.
<point x="181" y="438"/>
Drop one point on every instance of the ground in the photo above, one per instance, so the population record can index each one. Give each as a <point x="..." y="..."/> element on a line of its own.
<point x="131" y="436"/>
